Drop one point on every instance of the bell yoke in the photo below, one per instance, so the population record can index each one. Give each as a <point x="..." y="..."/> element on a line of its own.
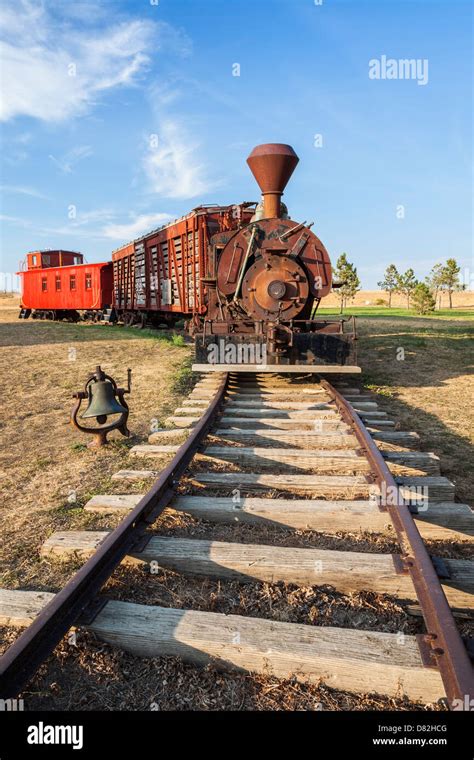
<point x="105" y="399"/>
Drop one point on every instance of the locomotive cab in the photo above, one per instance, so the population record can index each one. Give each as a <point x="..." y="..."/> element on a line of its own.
<point x="264" y="284"/>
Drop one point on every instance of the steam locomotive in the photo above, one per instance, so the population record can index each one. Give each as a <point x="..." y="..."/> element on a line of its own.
<point x="247" y="279"/>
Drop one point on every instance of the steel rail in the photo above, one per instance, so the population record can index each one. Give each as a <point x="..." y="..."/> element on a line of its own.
<point x="445" y="645"/>
<point x="22" y="659"/>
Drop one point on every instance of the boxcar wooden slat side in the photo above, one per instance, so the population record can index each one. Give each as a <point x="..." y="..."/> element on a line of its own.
<point x="161" y="272"/>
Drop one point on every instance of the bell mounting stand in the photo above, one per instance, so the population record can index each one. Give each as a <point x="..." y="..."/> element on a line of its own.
<point x="105" y="399"/>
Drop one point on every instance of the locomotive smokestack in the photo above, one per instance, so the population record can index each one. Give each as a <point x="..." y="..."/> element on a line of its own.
<point x="272" y="165"/>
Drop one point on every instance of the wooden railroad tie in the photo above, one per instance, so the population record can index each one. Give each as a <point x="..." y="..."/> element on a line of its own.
<point x="299" y="459"/>
<point x="441" y="520"/>
<point x="348" y="572"/>
<point x="359" y="661"/>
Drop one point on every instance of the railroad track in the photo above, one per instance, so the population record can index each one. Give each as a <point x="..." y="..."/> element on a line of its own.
<point x="295" y="455"/>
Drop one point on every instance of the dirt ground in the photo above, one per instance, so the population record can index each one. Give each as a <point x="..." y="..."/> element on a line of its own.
<point x="48" y="474"/>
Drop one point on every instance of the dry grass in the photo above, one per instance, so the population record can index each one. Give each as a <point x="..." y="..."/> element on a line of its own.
<point x="430" y="391"/>
<point x="47" y="472"/>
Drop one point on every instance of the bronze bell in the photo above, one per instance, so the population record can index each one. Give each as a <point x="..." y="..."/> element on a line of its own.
<point x="102" y="401"/>
<point x="104" y="398"/>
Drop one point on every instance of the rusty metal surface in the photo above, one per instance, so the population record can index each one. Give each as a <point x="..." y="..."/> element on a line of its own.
<point x="275" y="287"/>
<point x="272" y="238"/>
<point x="272" y="165"/>
<point x="162" y="272"/>
<point x="22" y="659"/>
<point x="307" y="343"/>
<point x="445" y="646"/>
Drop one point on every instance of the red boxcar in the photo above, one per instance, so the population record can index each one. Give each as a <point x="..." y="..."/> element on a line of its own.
<point x="161" y="276"/>
<point x="57" y="284"/>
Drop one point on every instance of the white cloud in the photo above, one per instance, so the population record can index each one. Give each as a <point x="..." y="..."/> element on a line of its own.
<point x="24" y="138"/>
<point x="98" y="215"/>
<point x="98" y="224"/>
<point x="17" y="220"/>
<point x="85" y="12"/>
<point x="84" y="224"/>
<point x="19" y="190"/>
<point x="172" y="168"/>
<point x="138" y="226"/>
<point x="54" y="71"/>
<point x="14" y="150"/>
<point x="71" y="158"/>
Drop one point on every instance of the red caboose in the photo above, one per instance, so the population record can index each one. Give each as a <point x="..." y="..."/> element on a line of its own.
<point x="59" y="285"/>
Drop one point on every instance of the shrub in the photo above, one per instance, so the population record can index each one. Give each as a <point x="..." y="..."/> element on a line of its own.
<point x="422" y="299"/>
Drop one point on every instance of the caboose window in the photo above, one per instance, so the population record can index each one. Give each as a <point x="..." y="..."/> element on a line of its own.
<point x="72" y="282"/>
<point x="34" y="260"/>
<point x="88" y="281"/>
<point x="58" y="282"/>
<point x="44" y="284"/>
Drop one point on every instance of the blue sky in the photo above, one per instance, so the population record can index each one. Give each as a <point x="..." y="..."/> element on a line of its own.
<point x="117" y="116"/>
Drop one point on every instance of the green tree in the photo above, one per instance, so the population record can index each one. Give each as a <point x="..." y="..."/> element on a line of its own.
<point x="390" y="282"/>
<point x="346" y="274"/>
<point x="434" y="280"/>
<point x="406" y="284"/>
<point x="450" y="278"/>
<point x="422" y="299"/>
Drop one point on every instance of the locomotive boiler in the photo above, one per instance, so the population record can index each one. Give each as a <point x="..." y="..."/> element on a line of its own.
<point x="264" y="282"/>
